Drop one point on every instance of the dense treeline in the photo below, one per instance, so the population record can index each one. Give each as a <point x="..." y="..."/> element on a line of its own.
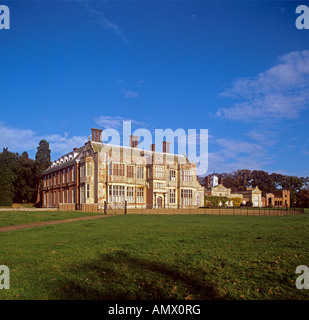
<point x="20" y="175"/>
<point x="298" y="186"/>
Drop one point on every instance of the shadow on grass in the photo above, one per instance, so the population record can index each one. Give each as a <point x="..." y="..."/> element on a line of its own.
<point x="120" y="276"/>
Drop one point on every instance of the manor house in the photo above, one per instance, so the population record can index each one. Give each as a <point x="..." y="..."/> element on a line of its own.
<point x="103" y="174"/>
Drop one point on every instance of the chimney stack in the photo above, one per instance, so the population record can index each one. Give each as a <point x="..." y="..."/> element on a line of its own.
<point x="133" y="141"/>
<point x="153" y="147"/>
<point x="166" y="147"/>
<point x="207" y="182"/>
<point x="220" y="180"/>
<point x="96" y="135"/>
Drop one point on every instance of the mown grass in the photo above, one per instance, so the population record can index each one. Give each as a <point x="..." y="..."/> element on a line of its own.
<point x="158" y="257"/>
<point x="10" y="218"/>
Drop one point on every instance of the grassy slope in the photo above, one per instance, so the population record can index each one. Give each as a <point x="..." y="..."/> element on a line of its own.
<point x="158" y="257"/>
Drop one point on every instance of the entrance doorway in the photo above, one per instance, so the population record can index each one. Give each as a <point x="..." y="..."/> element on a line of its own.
<point x="256" y="201"/>
<point x="159" y="202"/>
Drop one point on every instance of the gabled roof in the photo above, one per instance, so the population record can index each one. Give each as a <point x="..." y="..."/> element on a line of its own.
<point x="65" y="160"/>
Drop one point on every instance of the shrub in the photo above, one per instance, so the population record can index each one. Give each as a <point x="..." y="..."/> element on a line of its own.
<point x="6" y="198"/>
<point x="236" y="202"/>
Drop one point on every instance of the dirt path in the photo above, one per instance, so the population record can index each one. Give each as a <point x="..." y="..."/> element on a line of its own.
<point x="46" y="223"/>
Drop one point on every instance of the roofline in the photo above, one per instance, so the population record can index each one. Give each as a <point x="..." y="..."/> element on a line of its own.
<point x="134" y="148"/>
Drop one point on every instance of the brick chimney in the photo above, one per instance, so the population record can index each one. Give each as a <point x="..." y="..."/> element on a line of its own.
<point x="153" y="147"/>
<point x="166" y="147"/>
<point x="207" y="182"/>
<point x="220" y="180"/>
<point x="96" y="135"/>
<point x="134" y="141"/>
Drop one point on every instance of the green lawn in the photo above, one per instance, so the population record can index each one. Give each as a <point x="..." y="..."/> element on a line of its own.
<point x="158" y="257"/>
<point x="10" y="218"/>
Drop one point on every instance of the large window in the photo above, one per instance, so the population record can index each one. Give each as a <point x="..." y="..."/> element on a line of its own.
<point x="159" y="171"/>
<point x="130" y="171"/>
<point x="172" y="196"/>
<point x="140" y="195"/>
<point x="89" y="169"/>
<point x="172" y="175"/>
<point x="117" y="169"/>
<point x="82" y="170"/>
<point x="140" y="172"/>
<point x="116" y="193"/>
<point x="186" y="196"/>
<point x="160" y="185"/>
<point x="130" y="194"/>
<point x="186" y="175"/>
<point x="198" y="199"/>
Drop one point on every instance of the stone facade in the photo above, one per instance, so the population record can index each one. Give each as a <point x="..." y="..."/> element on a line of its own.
<point x="105" y="175"/>
<point x="277" y="198"/>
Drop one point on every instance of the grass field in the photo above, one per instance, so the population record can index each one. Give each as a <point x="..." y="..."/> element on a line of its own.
<point x="155" y="257"/>
<point x="11" y="218"/>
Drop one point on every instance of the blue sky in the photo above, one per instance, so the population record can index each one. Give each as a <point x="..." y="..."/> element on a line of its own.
<point x="237" y="68"/>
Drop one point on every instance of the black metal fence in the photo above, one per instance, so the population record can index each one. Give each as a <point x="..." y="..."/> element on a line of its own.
<point x="122" y="208"/>
<point x="249" y="211"/>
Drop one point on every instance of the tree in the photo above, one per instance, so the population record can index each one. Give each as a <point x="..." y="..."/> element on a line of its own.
<point x="42" y="157"/>
<point x="25" y="184"/>
<point x="263" y="181"/>
<point x="42" y="162"/>
<point x="302" y="198"/>
<point x="242" y="178"/>
<point x="229" y="180"/>
<point x="291" y="183"/>
<point x="277" y="179"/>
<point x="7" y="177"/>
<point x="20" y="175"/>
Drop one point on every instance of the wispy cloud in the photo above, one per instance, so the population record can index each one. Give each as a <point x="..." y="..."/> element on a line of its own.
<point x="100" y="19"/>
<point x="64" y="143"/>
<point x="133" y="85"/>
<point x="19" y="140"/>
<point x="281" y="92"/>
<point x="109" y="122"/>
<point x="231" y="148"/>
<point x="130" y="94"/>
<point x="227" y="155"/>
<point x="264" y="137"/>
